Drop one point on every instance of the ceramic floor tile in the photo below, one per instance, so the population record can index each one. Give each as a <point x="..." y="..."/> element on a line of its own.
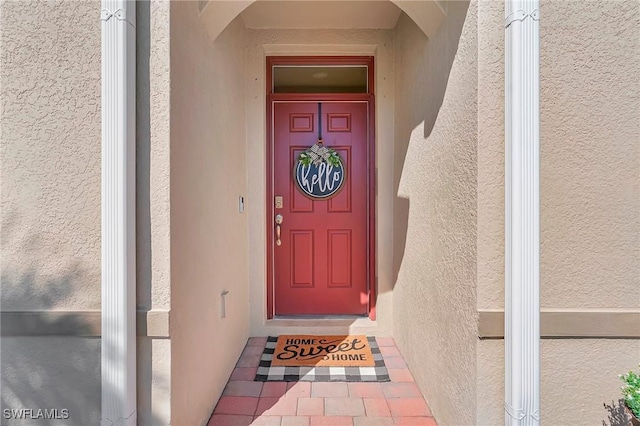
<point x="295" y="421"/>
<point x="243" y="388"/>
<point x="249" y="361"/>
<point x="230" y="420"/>
<point x="277" y="406"/>
<point x="331" y="421"/>
<point x="408" y="407"/>
<point x="394" y="362"/>
<point x="299" y="389"/>
<point x="274" y="389"/>
<point x="236" y="405"/>
<point x="400" y="375"/>
<point x="257" y="341"/>
<point x="266" y="421"/>
<point x="365" y="390"/>
<point x="252" y="350"/>
<point x="401" y="390"/>
<point x="376" y="407"/>
<point x="344" y="407"/>
<point x="243" y="373"/>
<point x="385" y="341"/>
<point x="310" y="406"/>
<point x="329" y="389"/>
<point x="414" y="421"/>
<point x="247" y="402"/>
<point x="373" y="421"/>
<point x="389" y="351"/>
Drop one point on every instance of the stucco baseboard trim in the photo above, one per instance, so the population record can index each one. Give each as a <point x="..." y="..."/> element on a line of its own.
<point x="569" y="323"/>
<point x="154" y="323"/>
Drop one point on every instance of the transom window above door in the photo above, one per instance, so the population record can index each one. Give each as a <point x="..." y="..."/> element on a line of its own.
<point x="320" y="79"/>
<point x="330" y="75"/>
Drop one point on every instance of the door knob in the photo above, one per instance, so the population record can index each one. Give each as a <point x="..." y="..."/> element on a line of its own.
<point x="279" y="219"/>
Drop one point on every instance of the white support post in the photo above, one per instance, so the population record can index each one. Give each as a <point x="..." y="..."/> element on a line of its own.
<point x="118" y="356"/>
<point x="522" y="213"/>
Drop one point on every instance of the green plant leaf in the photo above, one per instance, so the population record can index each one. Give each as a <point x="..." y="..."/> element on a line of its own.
<point x="631" y="391"/>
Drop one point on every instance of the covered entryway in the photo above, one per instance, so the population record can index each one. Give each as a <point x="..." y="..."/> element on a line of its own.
<point x="321" y="242"/>
<point x="224" y="197"/>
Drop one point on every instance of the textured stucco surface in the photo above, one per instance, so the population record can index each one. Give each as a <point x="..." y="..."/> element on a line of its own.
<point x="50" y="155"/>
<point x="579" y="379"/>
<point x="579" y="376"/>
<point x="208" y="234"/>
<point x="435" y="294"/>
<point x="490" y="155"/>
<point x="153" y="208"/>
<point x="318" y="42"/>
<point x="490" y="383"/>
<point x="590" y="154"/>
<point x="50" y="200"/>
<point x="590" y="211"/>
<point x="154" y="381"/>
<point x="152" y="156"/>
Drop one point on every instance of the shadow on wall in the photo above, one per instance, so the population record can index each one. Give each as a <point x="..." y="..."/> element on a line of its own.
<point x="418" y="110"/>
<point x="40" y="369"/>
<point x="143" y="156"/>
<point x="617" y="415"/>
<point x="47" y="371"/>
<point x="51" y="361"/>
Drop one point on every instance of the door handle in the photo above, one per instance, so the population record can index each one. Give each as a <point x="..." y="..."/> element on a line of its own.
<point x="278" y="223"/>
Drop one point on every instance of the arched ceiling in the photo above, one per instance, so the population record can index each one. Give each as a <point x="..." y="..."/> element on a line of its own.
<point x="313" y="14"/>
<point x="321" y="14"/>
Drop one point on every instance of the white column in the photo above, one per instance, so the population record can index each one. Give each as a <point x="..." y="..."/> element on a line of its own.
<point x="522" y="213"/>
<point x="118" y="213"/>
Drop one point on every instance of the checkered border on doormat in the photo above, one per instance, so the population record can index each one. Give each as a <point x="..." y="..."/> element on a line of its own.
<point x="265" y="373"/>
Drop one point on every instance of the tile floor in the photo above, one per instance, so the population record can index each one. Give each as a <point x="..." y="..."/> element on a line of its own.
<point x="245" y="402"/>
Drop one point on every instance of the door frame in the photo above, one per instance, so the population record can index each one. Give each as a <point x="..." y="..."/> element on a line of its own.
<point x="369" y="98"/>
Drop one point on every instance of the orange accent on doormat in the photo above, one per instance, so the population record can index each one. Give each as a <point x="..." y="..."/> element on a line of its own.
<point x="327" y="351"/>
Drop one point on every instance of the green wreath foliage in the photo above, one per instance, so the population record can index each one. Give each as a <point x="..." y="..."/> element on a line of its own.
<point x="333" y="159"/>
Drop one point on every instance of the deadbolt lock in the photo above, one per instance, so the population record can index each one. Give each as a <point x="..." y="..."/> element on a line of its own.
<point x="278" y="201"/>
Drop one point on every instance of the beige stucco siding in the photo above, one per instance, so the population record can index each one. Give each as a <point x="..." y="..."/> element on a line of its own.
<point x="590" y="198"/>
<point x="208" y="233"/>
<point x="590" y="154"/>
<point x="50" y="201"/>
<point x="490" y="155"/>
<point x="50" y="155"/>
<point x="435" y="295"/>
<point x="579" y="379"/>
<point x="153" y="155"/>
<point x="153" y="207"/>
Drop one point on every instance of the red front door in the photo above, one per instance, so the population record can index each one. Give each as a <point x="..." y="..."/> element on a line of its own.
<point x="320" y="266"/>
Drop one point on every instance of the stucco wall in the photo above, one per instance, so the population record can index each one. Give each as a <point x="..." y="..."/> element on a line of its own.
<point x="208" y="234"/>
<point x="579" y="380"/>
<point x="50" y="200"/>
<point x="590" y="154"/>
<point x="590" y="198"/>
<point x="262" y="43"/>
<point x="50" y="165"/>
<point x="153" y="206"/>
<point x="435" y="291"/>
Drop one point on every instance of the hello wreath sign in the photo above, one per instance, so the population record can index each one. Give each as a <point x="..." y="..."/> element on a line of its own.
<point x="319" y="172"/>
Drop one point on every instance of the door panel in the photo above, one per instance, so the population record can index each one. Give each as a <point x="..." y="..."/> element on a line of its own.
<point x="321" y="265"/>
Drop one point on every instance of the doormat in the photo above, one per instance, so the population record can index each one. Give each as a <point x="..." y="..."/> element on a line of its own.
<point x="322" y="351"/>
<point x="314" y="373"/>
